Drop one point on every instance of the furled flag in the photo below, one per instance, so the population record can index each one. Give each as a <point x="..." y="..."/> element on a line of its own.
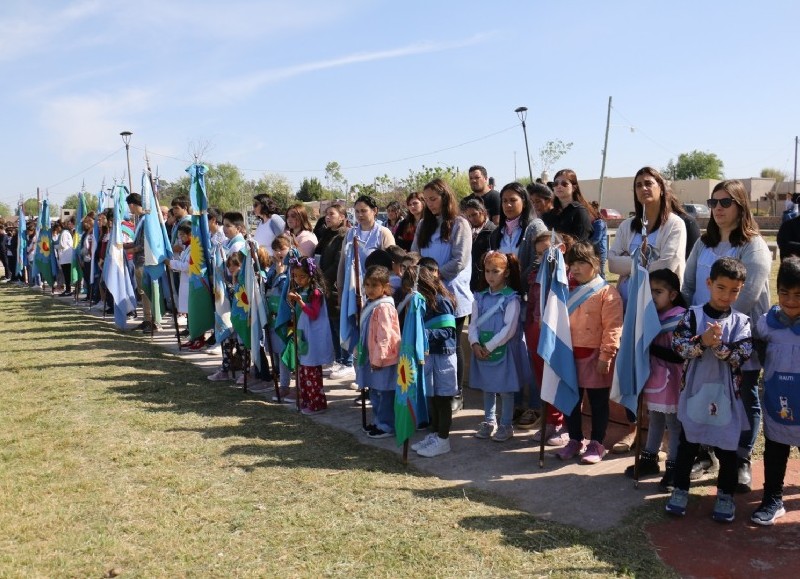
<point x="97" y="235"/>
<point x="559" y="379"/>
<point x="283" y="320"/>
<point x="156" y="246"/>
<point x="640" y="327"/>
<point x="22" y="242"/>
<point x="76" y="269"/>
<point x="222" y="303"/>
<point x="240" y="304"/>
<point x="348" y="327"/>
<point x="115" y="271"/>
<point x="45" y="257"/>
<point x="258" y="309"/>
<point x="201" y="295"/>
<point x="410" y="388"/>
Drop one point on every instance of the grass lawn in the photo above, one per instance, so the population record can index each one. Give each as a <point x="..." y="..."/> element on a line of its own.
<point x="119" y="458"/>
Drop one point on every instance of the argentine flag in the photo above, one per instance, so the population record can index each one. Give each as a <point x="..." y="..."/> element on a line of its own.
<point x="559" y="379"/>
<point x="348" y="328"/>
<point x="640" y="327"/>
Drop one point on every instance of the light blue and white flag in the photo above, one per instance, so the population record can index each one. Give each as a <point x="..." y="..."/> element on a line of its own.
<point x="640" y="326"/>
<point x="348" y="326"/>
<point x="22" y="242"/>
<point x="559" y="379"/>
<point x="115" y="271"/>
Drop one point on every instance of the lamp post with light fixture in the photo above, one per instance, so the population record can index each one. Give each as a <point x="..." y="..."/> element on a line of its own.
<point x="522" y="112"/>
<point x="126" y="138"/>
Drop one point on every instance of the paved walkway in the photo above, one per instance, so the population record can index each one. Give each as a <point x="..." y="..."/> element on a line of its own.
<point x="593" y="497"/>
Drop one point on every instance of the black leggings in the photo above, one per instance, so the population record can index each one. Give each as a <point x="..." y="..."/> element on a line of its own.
<point x="776" y="455"/>
<point x="598" y="401"/>
<point x="442" y="415"/>
<point x="687" y="453"/>
<point x="66" y="269"/>
<point x="459" y="354"/>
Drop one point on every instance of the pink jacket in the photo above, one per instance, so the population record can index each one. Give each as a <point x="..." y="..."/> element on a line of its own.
<point x="383" y="340"/>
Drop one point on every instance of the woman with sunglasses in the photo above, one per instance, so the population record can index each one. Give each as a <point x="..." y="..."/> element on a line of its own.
<point x="572" y="214"/>
<point x="732" y="232"/>
<point x="666" y="232"/>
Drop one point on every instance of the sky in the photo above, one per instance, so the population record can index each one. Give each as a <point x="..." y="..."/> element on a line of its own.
<point x="385" y="87"/>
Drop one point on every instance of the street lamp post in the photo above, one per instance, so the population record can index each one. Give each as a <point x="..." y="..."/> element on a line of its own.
<point x="522" y="112"/>
<point x="126" y="138"/>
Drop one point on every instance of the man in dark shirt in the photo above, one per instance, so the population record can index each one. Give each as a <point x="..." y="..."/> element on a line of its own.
<point x="789" y="238"/>
<point x="479" y="183"/>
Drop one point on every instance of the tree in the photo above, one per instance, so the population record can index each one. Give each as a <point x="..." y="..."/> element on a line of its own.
<point x="334" y="180"/>
<point x="169" y="190"/>
<point x="71" y="202"/>
<point x="226" y="187"/>
<point x="457" y="180"/>
<point x="277" y="187"/>
<point x="770" y="173"/>
<point x="5" y="210"/>
<point x="31" y="207"/>
<point x="551" y="152"/>
<point x="310" y="190"/>
<point x="695" y="165"/>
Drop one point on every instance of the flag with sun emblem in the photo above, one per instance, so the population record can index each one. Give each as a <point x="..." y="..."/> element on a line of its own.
<point x="410" y="375"/>
<point x="44" y="258"/>
<point x="240" y="303"/>
<point x="201" y="294"/>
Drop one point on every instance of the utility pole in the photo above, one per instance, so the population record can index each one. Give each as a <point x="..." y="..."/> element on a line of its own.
<point x="794" y="182"/>
<point x="605" y="153"/>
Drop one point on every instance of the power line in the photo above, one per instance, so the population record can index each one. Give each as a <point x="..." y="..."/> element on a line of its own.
<point x="86" y="169"/>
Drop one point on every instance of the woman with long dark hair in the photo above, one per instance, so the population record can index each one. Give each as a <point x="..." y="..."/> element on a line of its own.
<point x="404" y="234"/>
<point x="446" y="236"/>
<point x="572" y="213"/>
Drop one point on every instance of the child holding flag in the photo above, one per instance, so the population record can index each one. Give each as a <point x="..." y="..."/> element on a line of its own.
<point x="378" y="350"/>
<point x="663" y="387"/>
<point x="275" y="288"/>
<point x="595" y="318"/>
<point x="307" y="295"/>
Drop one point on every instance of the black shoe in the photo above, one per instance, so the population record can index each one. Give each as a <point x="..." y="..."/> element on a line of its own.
<point x="108" y="311"/>
<point x="184" y="333"/>
<point x="132" y="315"/>
<point x="378" y="433"/>
<point x="457" y="403"/>
<point x="145" y="327"/>
<point x="368" y="427"/>
<point x="648" y="465"/>
<point x="745" y="477"/>
<point x="65" y="294"/>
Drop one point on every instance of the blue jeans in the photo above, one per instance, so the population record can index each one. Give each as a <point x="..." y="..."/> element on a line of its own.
<point x="490" y="404"/>
<point x="382" y="408"/>
<point x="752" y="407"/>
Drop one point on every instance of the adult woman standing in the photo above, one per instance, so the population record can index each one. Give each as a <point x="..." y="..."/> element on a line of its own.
<point x="270" y="223"/>
<point x="666" y="232"/>
<point x="732" y="232"/>
<point x="371" y="236"/>
<point x="404" y="234"/>
<point x="298" y="226"/>
<point x="518" y="228"/>
<point x="330" y="250"/>
<point x="394" y="215"/>
<point x="447" y="237"/>
<point x="482" y="227"/>
<point x="572" y="213"/>
<point x="542" y="200"/>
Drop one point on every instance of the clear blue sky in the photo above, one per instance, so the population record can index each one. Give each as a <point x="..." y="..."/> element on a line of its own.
<point x="286" y="87"/>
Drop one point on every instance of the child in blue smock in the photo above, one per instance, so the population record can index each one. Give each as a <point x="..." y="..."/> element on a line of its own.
<point x="498" y="363"/>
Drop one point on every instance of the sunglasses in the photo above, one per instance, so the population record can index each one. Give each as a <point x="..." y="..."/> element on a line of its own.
<point x="726" y="202"/>
<point x="561" y="183"/>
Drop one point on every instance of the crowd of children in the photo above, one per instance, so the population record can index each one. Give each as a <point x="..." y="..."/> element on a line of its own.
<point x="696" y="360"/>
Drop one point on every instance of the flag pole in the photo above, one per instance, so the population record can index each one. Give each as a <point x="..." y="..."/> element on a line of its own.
<point x="357" y="271"/>
<point x="639" y="400"/>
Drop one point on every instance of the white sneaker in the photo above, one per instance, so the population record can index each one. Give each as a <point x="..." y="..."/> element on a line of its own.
<point x="215" y="350"/>
<point x="328" y="368"/>
<point x="424" y="442"/>
<point x="353" y="386"/>
<point x="435" y="448"/>
<point x="344" y="373"/>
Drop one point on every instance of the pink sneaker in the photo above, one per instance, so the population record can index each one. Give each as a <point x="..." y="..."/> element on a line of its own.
<point x="594" y="453"/>
<point x="573" y="449"/>
<point x="548" y="430"/>
<point x="559" y="438"/>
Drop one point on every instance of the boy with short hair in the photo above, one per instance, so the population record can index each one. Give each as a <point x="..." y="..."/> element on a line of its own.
<point x="715" y="340"/>
<point x="779" y="331"/>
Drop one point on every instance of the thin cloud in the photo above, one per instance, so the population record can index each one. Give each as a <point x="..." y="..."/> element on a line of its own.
<point x="244" y="86"/>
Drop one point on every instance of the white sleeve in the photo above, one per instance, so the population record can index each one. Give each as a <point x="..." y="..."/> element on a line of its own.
<point x="510" y="321"/>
